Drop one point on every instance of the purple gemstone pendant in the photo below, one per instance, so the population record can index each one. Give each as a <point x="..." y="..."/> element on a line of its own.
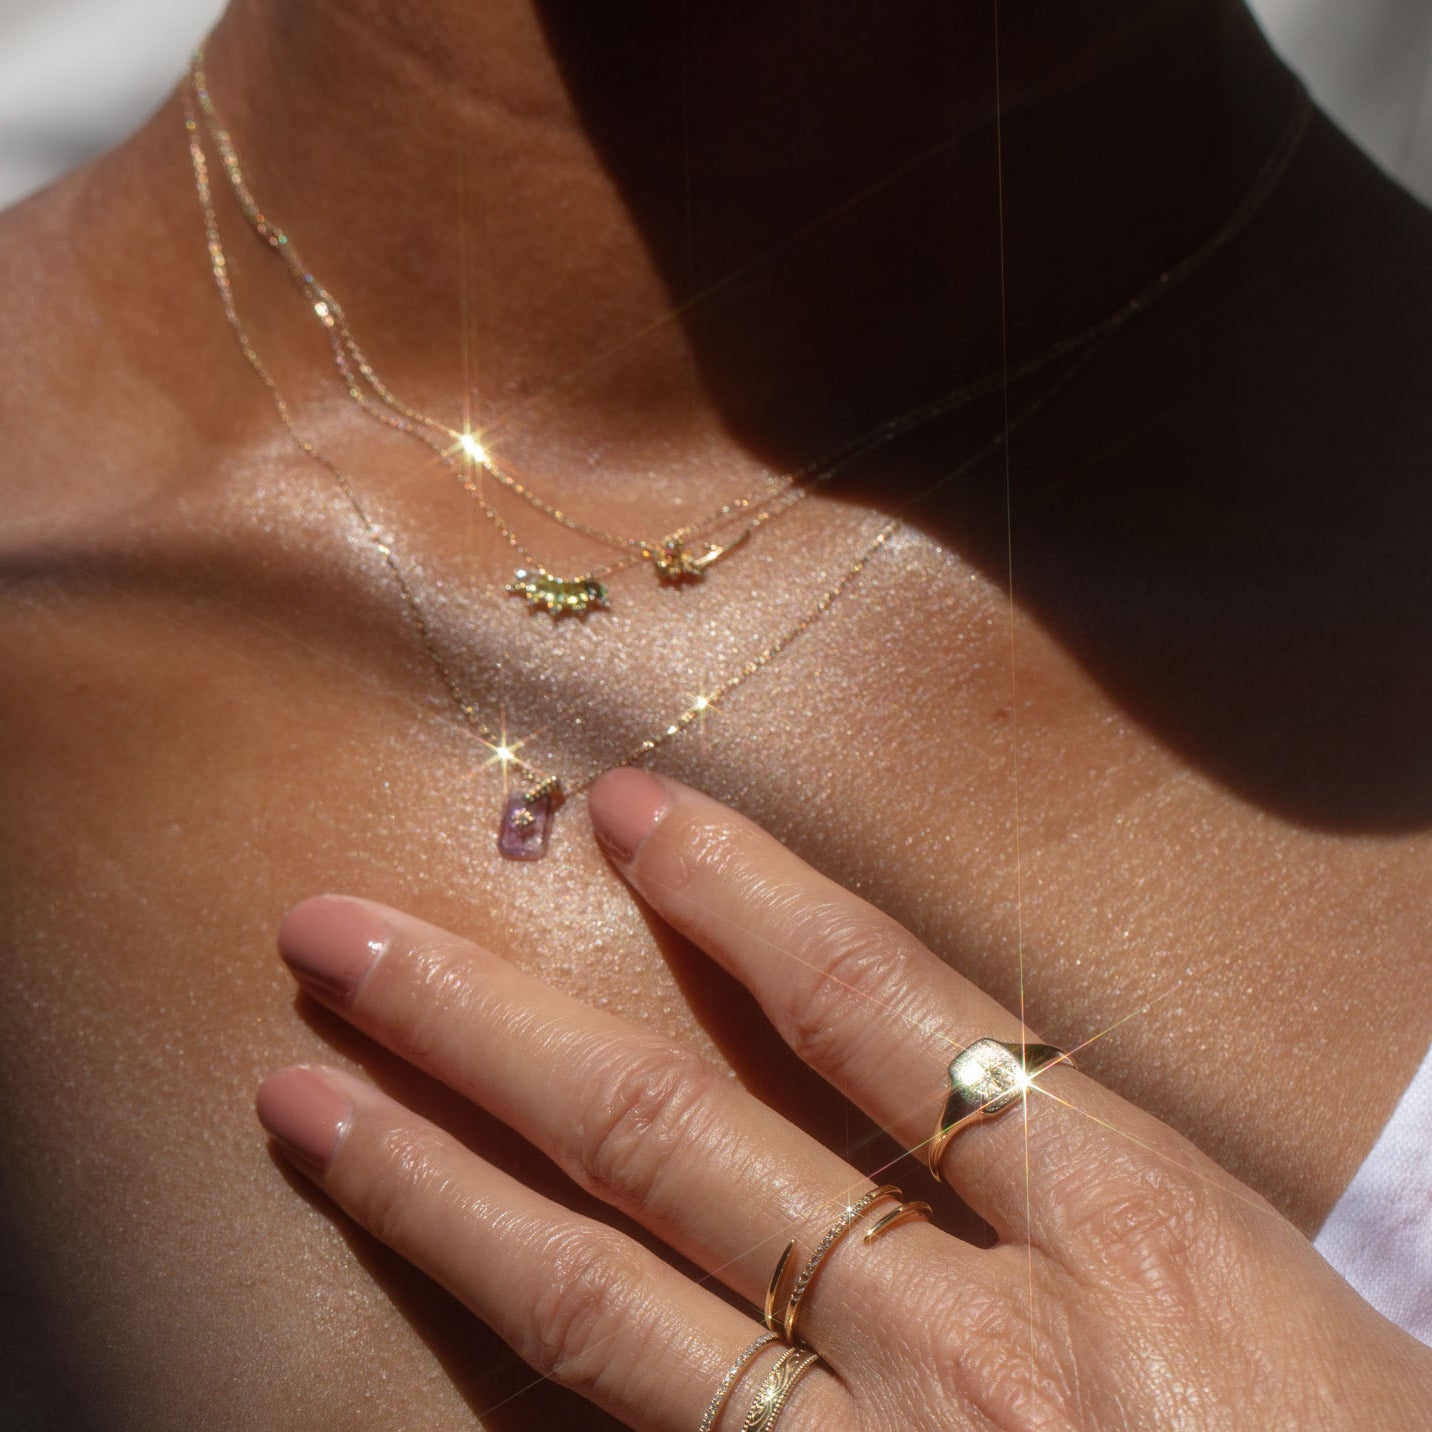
<point x="526" y="824"/>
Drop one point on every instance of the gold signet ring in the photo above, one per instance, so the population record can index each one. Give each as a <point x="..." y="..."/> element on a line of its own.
<point x="986" y="1078"/>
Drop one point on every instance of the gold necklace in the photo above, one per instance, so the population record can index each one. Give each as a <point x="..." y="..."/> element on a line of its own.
<point x="673" y="556"/>
<point x="529" y="809"/>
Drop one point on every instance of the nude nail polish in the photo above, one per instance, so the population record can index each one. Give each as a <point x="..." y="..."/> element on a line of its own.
<point x="331" y="942"/>
<point x="626" y="804"/>
<point x="305" y="1114"/>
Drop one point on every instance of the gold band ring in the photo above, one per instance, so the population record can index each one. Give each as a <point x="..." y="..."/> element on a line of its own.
<point x="775" y="1318"/>
<point x="781" y="1319"/>
<point x="987" y="1078"/>
<point x="723" y="1390"/>
<point x="906" y="1213"/>
<point x="791" y="1366"/>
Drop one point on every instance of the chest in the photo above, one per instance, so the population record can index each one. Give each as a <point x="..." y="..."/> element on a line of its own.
<point x="197" y="766"/>
<point x="191" y="751"/>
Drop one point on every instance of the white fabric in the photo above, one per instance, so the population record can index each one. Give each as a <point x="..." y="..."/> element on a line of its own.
<point x="76" y="76"/>
<point x="1369" y="64"/>
<point x="1379" y="1234"/>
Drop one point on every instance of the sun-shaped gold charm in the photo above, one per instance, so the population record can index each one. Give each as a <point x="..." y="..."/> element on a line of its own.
<point x="561" y="596"/>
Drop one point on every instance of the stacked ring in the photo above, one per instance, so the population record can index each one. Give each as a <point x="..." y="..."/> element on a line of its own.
<point x="905" y="1213"/>
<point x="987" y="1078"/>
<point x="790" y="1367"/>
<point x="728" y="1381"/>
<point x="782" y="1320"/>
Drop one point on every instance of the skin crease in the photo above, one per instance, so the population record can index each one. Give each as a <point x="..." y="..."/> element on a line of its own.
<point x="216" y="705"/>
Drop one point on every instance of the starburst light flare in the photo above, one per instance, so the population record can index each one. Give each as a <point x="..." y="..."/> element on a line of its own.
<point x="472" y="447"/>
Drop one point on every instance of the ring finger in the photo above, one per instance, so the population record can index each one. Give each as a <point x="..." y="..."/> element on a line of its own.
<point x="642" y="1123"/>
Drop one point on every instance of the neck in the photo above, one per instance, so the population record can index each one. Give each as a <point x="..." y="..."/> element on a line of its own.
<point x="786" y="220"/>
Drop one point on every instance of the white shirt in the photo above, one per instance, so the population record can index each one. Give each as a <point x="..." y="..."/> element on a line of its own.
<point x="1379" y="1234"/>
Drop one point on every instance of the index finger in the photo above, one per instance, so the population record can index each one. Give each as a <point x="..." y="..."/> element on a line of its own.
<point x="866" y="1005"/>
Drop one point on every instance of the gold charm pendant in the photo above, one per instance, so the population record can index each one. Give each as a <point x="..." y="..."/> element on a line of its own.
<point x="561" y="596"/>
<point x="674" y="563"/>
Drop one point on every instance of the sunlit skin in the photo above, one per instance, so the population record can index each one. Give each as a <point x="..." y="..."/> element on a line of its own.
<point x="1165" y="810"/>
<point x="1142" y="1280"/>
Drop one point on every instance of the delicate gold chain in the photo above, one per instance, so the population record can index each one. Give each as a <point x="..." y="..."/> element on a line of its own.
<point x="692" y="713"/>
<point x="791" y="488"/>
<point x="541" y="782"/>
<point x="219" y="267"/>
<point x="1081" y="347"/>
<point x="358" y="373"/>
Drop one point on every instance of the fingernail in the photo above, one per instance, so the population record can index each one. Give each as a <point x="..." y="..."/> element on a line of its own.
<point x="305" y="1113"/>
<point x="626" y="804"/>
<point x="330" y="943"/>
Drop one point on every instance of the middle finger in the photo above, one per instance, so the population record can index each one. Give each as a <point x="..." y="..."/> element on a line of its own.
<point x="864" y="1003"/>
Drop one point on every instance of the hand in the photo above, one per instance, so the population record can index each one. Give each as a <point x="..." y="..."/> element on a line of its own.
<point x="1134" y="1285"/>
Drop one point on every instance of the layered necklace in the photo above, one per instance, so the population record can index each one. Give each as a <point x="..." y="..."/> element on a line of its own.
<point x="532" y="796"/>
<point x="681" y="555"/>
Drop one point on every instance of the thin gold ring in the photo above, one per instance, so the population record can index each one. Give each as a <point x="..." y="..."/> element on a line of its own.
<point x="790" y="1367"/>
<point x="987" y="1078"/>
<point x="773" y="1320"/>
<point x="780" y="1316"/>
<point x="906" y="1213"/>
<point x="723" y="1389"/>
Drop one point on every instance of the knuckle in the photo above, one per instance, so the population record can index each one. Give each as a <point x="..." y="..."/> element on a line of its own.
<point x="652" y="1102"/>
<point x="410" y="1178"/>
<point x="845" y="956"/>
<point x="716" y="845"/>
<point x="994" y="1354"/>
<point x="861" y="966"/>
<point x="436" y="996"/>
<point x="582" y="1309"/>
<point x="1150" y="1231"/>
